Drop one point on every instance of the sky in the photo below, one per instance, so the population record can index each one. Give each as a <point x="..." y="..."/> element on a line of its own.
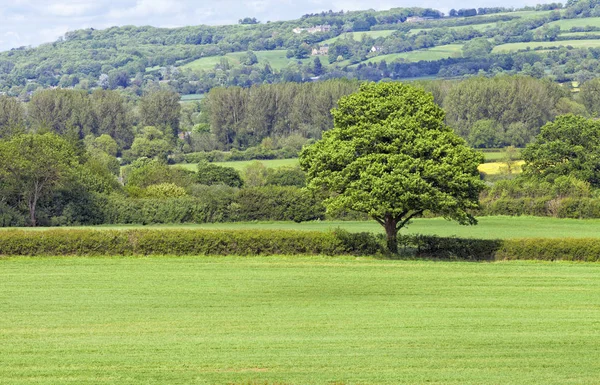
<point x="32" y="22"/>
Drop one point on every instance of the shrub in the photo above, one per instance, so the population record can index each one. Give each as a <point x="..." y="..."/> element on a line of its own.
<point x="183" y="242"/>
<point x="277" y="203"/>
<point x="210" y="174"/>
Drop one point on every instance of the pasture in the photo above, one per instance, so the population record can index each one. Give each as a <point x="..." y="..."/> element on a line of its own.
<point x="358" y="36"/>
<point x="297" y="320"/>
<point x="429" y="54"/>
<point x="497" y="227"/>
<point x="277" y="60"/>
<point x="478" y="27"/>
<point x="511" y="47"/>
<point x="242" y="164"/>
<point x="567" y="24"/>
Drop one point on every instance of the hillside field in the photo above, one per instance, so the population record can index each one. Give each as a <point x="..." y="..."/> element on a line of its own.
<point x="277" y="60"/>
<point x="429" y="54"/>
<point x="566" y="25"/>
<point x="358" y="36"/>
<point x="300" y="320"/>
<point x="511" y="47"/>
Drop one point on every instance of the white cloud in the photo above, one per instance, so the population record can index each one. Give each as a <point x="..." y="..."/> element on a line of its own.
<point x="71" y="9"/>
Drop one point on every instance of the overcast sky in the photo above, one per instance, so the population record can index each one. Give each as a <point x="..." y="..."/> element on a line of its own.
<point x="31" y="22"/>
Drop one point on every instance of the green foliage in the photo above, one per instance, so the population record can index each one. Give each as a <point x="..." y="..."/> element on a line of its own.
<point x="184" y="242"/>
<point x="145" y="172"/>
<point x="278" y="204"/>
<point x="165" y="191"/>
<point x="391" y="156"/>
<point x="485" y="133"/>
<point x="151" y="144"/>
<point x="477" y="47"/>
<point x="569" y="146"/>
<point x="286" y="176"/>
<point x="210" y="174"/>
<point x="161" y="109"/>
<point x="12" y="117"/>
<point x="520" y="106"/>
<point x="255" y="174"/>
<point x="35" y="165"/>
<point x="63" y="112"/>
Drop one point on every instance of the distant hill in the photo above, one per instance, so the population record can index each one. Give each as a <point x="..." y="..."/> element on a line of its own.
<point x="551" y="40"/>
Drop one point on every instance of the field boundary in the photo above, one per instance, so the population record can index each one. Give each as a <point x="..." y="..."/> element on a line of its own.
<point x="287" y="242"/>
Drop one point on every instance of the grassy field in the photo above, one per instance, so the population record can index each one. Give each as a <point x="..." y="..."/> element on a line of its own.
<point x="275" y="58"/>
<point x="490" y="168"/>
<point x="478" y="27"/>
<point x="577" y="34"/>
<point x="358" y="36"/>
<point x="499" y="227"/>
<point x="567" y="24"/>
<point x="522" y="14"/>
<point x="242" y="164"/>
<point x="510" y="47"/>
<point x="192" y="98"/>
<point x="430" y="54"/>
<point x="301" y="320"/>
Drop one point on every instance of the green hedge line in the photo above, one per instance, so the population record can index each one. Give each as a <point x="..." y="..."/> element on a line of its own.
<point x="558" y="249"/>
<point x="184" y="242"/>
<point x="575" y="208"/>
<point x="267" y="242"/>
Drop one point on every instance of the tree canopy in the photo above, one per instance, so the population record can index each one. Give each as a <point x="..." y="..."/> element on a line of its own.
<point x="568" y="146"/>
<point x="390" y="155"/>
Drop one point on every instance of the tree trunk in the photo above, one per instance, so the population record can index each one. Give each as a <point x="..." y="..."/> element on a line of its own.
<point x="32" y="213"/>
<point x="390" y="224"/>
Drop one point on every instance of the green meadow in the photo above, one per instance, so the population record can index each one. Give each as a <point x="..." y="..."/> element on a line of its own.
<point x="358" y="36"/>
<point x="497" y="227"/>
<point x="429" y="54"/>
<point x="277" y="60"/>
<point x="510" y="47"/>
<point x="567" y="24"/>
<point x="297" y="320"/>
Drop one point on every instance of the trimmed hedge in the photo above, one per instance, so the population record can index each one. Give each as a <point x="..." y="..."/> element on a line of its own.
<point x="184" y="242"/>
<point x="267" y="242"/>
<point x="557" y="249"/>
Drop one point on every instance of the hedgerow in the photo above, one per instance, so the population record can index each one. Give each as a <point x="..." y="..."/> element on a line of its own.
<point x="267" y="242"/>
<point x="185" y="242"/>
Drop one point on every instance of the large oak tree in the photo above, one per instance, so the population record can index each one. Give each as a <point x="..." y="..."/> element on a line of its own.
<point x="390" y="155"/>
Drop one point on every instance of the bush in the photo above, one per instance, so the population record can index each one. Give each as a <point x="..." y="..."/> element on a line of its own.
<point x="184" y="242"/>
<point x="565" y="249"/>
<point x="277" y="203"/>
<point x="210" y="174"/>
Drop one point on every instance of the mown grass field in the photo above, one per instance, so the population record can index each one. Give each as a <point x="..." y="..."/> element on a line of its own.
<point x="478" y="27"/>
<point x="277" y="59"/>
<point x="567" y="24"/>
<point x="300" y="320"/>
<point x="430" y="54"/>
<point x="358" y="36"/>
<point x="498" y="227"/>
<point x="510" y="47"/>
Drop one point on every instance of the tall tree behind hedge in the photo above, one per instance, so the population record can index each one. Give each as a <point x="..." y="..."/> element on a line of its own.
<point x="112" y="117"/>
<point x="63" y="112"/>
<point x="243" y="117"/>
<point x="161" y="109"/>
<point x="506" y="100"/>
<point x="12" y="117"/>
